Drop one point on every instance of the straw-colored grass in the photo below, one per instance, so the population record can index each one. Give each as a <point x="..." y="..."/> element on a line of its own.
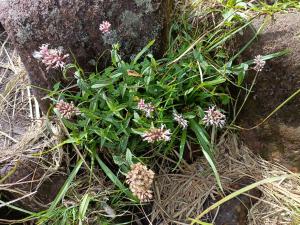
<point x="25" y="137"/>
<point x="16" y="101"/>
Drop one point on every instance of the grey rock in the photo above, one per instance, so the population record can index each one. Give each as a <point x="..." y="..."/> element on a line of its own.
<point x="279" y="138"/>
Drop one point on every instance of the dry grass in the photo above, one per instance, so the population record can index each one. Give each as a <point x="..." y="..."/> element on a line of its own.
<point x="28" y="163"/>
<point x="25" y="138"/>
<point x="18" y="108"/>
<point x="182" y="196"/>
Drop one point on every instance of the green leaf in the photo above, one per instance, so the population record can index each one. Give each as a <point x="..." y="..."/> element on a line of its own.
<point x="217" y="81"/>
<point x="102" y="83"/>
<point x="225" y="99"/>
<point x="206" y="148"/>
<point x="229" y="14"/>
<point x="124" y="141"/>
<point x="118" y="160"/>
<point x="137" y="131"/>
<point x="188" y="91"/>
<point x="129" y="156"/>
<point x="66" y="185"/>
<point x="242" y="73"/>
<point x="70" y="125"/>
<point x="182" y="146"/>
<point x="201" y="135"/>
<point x="116" y="75"/>
<point x="141" y="53"/>
<point x="271" y="56"/>
<point x="113" y="177"/>
<point x="103" y="133"/>
<point x="83" y="208"/>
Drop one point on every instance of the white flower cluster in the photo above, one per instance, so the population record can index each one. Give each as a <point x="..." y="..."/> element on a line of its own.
<point x="213" y="117"/>
<point x="146" y="108"/>
<point x="259" y="63"/>
<point x="157" y="134"/>
<point x="180" y="120"/>
<point x="52" y="58"/>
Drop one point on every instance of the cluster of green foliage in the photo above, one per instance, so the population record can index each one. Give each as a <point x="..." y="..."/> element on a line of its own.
<point x="194" y="74"/>
<point x="111" y="122"/>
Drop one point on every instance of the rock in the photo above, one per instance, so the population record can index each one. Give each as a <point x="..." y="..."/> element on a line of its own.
<point x="1" y="28"/>
<point x="279" y="138"/>
<point x="235" y="211"/>
<point x="74" y="25"/>
<point x="28" y="179"/>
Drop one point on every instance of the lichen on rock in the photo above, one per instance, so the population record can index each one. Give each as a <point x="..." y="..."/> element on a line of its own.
<point x="145" y="3"/>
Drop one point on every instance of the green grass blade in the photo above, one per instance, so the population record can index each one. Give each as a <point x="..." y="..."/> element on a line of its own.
<point x="66" y="185"/>
<point x="181" y="147"/>
<point x="141" y="53"/>
<point x="201" y="136"/>
<point x="249" y="42"/>
<point x="207" y="150"/>
<point x="204" y="223"/>
<point x="212" y="83"/>
<point x="17" y="208"/>
<point x="224" y="39"/>
<point x="83" y="208"/>
<point x="271" y="56"/>
<point x="274" y="111"/>
<point x="113" y="177"/>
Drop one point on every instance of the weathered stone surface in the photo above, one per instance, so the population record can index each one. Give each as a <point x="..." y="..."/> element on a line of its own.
<point x="1" y="28"/>
<point x="74" y="24"/>
<point x="28" y="179"/>
<point x="279" y="138"/>
<point x="234" y="211"/>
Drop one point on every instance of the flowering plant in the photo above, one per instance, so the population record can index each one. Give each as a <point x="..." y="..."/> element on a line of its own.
<point x="146" y="109"/>
<point x="130" y="117"/>
<point x="153" y="112"/>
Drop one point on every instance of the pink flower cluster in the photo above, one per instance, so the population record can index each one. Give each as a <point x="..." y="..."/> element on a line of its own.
<point x="180" y="120"/>
<point x="67" y="110"/>
<point x="259" y="63"/>
<point x="140" y="180"/>
<point x="52" y="58"/>
<point x="213" y="117"/>
<point x="105" y="27"/>
<point x="157" y="134"/>
<point x="146" y="108"/>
